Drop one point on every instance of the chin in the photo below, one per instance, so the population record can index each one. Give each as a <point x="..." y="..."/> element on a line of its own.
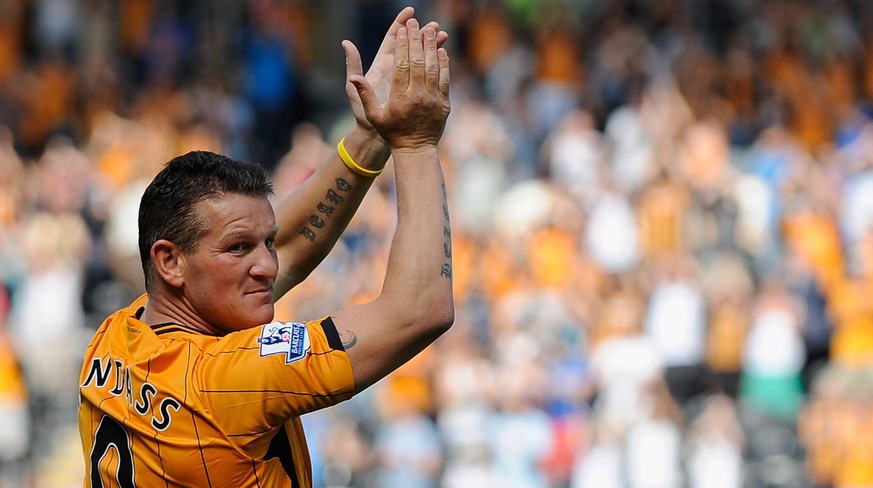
<point x="264" y="314"/>
<point x="259" y="307"/>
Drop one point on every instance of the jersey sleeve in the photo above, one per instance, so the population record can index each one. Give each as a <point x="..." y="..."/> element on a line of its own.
<point x="255" y="380"/>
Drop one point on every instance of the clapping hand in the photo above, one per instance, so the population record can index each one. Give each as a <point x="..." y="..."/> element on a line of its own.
<point x="381" y="71"/>
<point x="414" y="113"/>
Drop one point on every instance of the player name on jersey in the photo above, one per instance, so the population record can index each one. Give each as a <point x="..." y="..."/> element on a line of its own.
<point x="100" y="375"/>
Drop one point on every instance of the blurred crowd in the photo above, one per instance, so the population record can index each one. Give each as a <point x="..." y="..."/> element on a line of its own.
<point x="662" y="227"/>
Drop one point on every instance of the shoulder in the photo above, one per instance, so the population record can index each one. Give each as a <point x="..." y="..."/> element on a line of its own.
<point x="293" y="339"/>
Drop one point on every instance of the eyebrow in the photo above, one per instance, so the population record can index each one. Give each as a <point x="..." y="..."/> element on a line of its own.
<point x="245" y="234"/>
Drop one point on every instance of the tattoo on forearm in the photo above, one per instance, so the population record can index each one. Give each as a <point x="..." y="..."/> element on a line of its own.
<point x="349" y="342"/>
<point x="325" y="209"/>
<point x="446" y="268"/>
<point x="316" y="222"/>
<point x="333" y="197"/>
<point x="343" y="185"/>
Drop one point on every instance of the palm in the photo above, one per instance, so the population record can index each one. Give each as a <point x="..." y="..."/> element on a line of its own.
<point x="379" y="75"/>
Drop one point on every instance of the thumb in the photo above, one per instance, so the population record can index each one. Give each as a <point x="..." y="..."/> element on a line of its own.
<point x="354" y="65"/>
<point x="368" y="97"/>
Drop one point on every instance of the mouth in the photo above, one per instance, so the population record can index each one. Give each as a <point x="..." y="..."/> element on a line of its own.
<point x="264" y="291"/>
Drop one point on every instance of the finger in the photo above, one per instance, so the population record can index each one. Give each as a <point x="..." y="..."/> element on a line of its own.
<point x="443" y="57"/>
<point x="400" y="82"/>
<point x="442" y="36"/>
<point x="354" y="65"/>
<point x="387" y="46"/>
<point x="369" y="100"/>
<point x="416" y="54"/>
<point x="431" y="61"/>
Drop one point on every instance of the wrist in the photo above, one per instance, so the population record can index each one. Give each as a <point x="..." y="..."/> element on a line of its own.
<point x="415" y="153"/>
<point x="367" y="148"/>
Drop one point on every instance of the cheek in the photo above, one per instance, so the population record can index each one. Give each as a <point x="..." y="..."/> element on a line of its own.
<point x="219" y="283"/>
<point x="230" y="272"/>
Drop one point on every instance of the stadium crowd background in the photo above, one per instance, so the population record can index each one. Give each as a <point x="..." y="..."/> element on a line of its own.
<point x="662" y="226"/>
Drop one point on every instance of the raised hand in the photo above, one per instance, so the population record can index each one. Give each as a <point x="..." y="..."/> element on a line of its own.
<point x="381" y="71"/>
<point x="414" y="114"/>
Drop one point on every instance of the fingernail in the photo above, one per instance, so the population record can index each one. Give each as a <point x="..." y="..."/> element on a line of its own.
<point x="413" y="24"/>
<point x="429" y="33"/>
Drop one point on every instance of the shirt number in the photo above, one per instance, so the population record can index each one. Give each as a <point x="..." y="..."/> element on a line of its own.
<point x="112" y="435"/>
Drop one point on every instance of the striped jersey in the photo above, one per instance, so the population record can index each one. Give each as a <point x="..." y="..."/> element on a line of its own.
<point x="167" y="405"/>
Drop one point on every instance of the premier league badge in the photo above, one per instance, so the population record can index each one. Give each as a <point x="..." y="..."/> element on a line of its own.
<point x="290" y="339"/>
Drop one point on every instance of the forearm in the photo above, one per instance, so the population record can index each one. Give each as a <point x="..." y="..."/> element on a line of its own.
<point x="419" y="275"/>
<point x="415" y="305"/>
<point x="312" y="218"/>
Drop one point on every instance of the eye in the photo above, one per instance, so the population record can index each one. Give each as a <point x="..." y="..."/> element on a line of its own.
<point x="238" y="247"/>
<point x="270" y="242"/>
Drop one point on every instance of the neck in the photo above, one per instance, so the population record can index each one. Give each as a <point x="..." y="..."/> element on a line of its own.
<point x="163" y="307"/>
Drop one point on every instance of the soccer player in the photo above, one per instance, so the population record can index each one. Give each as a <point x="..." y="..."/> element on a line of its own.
<point x="194" y="384"/>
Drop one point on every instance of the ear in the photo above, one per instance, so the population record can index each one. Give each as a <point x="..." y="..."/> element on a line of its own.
<point x="168" y="262"/>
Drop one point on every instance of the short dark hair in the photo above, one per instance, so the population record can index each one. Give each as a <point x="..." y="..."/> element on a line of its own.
<point x="167" y="208"/>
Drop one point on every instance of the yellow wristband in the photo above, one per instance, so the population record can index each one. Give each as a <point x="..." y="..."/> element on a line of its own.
<point x="355" y="167"/>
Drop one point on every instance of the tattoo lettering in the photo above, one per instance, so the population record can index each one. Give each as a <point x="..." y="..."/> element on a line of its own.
<point x="326" y="210"/>
<point x="446" y="269"/>
<point x="349" y="342"/>
<point x="343" y="185"/>
<point x="333" y="197"/>
<point x="316" y="222"/>
<point x="323" y="208"/>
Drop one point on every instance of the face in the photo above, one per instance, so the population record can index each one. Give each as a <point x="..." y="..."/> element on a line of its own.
<point x="228" y="279"/>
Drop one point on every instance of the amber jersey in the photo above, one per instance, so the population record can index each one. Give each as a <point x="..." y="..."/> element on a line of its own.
<point x="166" y="405"/>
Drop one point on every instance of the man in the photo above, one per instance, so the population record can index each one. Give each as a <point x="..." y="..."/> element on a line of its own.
<point x="192" y="385"/>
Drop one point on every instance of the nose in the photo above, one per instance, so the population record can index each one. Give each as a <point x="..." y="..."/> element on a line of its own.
<point x="266" y="263"/>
